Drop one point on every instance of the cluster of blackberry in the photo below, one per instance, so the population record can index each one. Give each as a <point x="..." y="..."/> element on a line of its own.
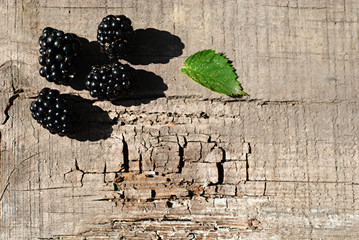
<point x="115" y="35"/>
<point x="58" y="53"/>
<point x="53" y="111"/>
<point x="110" y="81"/>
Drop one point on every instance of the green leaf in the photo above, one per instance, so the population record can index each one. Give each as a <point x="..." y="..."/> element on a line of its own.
<point x="213" y="71"/>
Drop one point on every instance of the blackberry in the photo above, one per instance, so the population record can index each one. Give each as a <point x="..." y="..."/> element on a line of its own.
<point x="58" y="52"/>
<point x="110" y="81"/>
<point x="115" y="35"/>
<point x="53" y="111"/>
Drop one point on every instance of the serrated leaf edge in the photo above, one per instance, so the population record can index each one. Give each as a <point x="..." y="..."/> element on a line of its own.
<point x="189" y="60"/>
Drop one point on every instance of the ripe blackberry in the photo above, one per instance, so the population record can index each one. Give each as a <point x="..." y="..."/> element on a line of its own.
<point x="115" y="35"/>
<point x="53" y="111"/>
<point x="58" y="51"/>
<point x="110" y="81"/>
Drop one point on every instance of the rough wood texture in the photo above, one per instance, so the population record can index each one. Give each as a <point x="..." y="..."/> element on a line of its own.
<point x="177" y="161"/>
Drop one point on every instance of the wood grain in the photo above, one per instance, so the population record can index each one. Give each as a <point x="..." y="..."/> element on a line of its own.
<point x="177" y="161"/>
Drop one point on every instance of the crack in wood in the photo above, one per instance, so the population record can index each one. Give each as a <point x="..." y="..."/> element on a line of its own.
<point x="15" y="95"/>
<point x="290" y="182"/>
<point x="12" y="172"/>
<point x="126" y="162"/>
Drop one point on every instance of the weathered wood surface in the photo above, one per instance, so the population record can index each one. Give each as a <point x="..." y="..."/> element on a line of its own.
<point x="178" y="161"/>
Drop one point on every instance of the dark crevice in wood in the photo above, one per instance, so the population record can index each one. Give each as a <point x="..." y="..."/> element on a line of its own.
<point x="247" y="170"/>
<point x="220" y="167"/>
<point x="190" y="194"/>
<point x="220" y="173"/>
<point x="169" y="204"/>
<point x="158" y="236"/>
<point x="136" y="220"/>
<point x="78" y="169"/>
<point x="15" y="95"/>
<point x="104" y="173"/>
<point x="175" y="220"/>
<point x="247" y="162"/>
<point x="140" y="164"/>
<point x="103" y="200"/>
<point x="153" y="194"/>
<point x="223" y="155"/>
<point x="126" y="163"/>
<point x="77" y="165"/>
<point x="203" y="115"/>
<point x="181" y="159"/>
<point x="265" y="188"/>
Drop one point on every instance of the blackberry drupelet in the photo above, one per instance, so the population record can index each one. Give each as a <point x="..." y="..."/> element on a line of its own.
<point x="110" y="81"/>
<point x="58" y="51"/>
<point x="53" y="111"/>
<point x="115" y="35"/>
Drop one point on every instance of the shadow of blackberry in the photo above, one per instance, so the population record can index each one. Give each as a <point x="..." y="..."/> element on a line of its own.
<point x="90" y="123"/>
<point x="150" y="46"/>
<point x="90" y="55"/>
<point x="147" y="87"/>
<point x="154" y="46"/>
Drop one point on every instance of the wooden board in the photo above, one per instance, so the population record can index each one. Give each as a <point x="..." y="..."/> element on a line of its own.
<point x="177" y="161"/>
